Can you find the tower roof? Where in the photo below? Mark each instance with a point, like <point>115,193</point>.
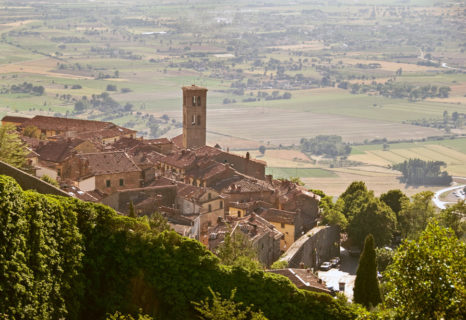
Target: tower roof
<point>193,87</point>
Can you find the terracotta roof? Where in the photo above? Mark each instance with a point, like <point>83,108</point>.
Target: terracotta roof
<point>14,119</point>
<point>181,159</point>
<point>253,226</point>
<point>206,170</point>
<point>289,191</point>
<point>303,279</point>
<point>109,162</point>
<point>111,131</point>
<point>65,124</point>
<point>207,151</point>
<point>247,185</point>
<point>58,151</point>
<point>281,216</point>
<point>150,158</point>
<point>178,141</point>
<point>125,143</point>
<point>252,205</point>
<point>157,141</point>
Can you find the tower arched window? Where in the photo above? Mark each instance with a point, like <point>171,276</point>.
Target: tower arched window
<point>198,101</point>
<point>193,120</point>
<point>194,100</point>
<point>198,120</point>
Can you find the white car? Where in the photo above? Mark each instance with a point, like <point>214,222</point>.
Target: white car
<point>325,266</point>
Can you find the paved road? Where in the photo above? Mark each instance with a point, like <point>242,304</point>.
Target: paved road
<point>346,273</point>
<point>442,204</point>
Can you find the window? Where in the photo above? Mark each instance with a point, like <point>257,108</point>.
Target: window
<point>221,204</point>
<point>194,100</point>
<point>198,101</point>
<point>193,122</point>
<point>209,196</point>
<point>210,207</point>
<point>58,171</point>
<point>239,214</point>
<point>122,182</point>
<point>198,120</point>
<point>107,183</point>
<point>283,225</point>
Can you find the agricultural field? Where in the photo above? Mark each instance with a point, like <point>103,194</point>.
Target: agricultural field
<point>276,72</point>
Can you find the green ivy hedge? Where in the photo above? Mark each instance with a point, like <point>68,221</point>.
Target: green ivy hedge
<point>64,258</point>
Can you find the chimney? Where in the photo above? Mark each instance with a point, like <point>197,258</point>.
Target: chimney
<point>268,178</point>
<point>248,155</point>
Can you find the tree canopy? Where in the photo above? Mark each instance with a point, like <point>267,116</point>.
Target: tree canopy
<point>427,279</point>
<point>12,149</point>
<point>64,258</point>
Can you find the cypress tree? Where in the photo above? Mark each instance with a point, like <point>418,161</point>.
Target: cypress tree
<point>366,287</point>
<point>132,214</point>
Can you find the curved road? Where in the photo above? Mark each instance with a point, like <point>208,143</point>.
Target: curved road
<point>442,204</point>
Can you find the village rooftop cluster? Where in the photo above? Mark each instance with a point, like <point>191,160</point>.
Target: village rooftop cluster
<point>204,192</point>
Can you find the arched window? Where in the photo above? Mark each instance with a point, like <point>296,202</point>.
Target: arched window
<point>193,122</point>
<point>210,207</point>
<point>198,120</point>
<point>194,100</point>
<point>198,101</point>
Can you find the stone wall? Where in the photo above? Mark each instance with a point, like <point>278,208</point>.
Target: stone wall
<point>313,248</point>
<point>29,182</point>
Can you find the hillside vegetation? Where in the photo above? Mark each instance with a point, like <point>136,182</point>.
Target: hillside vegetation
<point>64,258</point>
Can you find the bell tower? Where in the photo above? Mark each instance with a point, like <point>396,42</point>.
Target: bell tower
<point>194,116</point>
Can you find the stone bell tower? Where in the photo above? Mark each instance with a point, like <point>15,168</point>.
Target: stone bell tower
<point>194,116</point>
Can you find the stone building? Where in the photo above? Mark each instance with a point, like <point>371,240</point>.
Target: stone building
<point>106,172</point>
<point>194,116</point>
<point>263,236</point>
<point>287,222</point>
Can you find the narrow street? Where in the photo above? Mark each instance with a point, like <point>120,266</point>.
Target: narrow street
<point>345,273</point>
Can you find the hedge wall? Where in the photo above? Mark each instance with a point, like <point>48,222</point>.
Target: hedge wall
<point>64,258</point>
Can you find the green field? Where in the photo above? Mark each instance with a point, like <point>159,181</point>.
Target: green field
<point>279,173</point>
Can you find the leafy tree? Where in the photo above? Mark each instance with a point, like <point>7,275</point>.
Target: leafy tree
<point>415,214</point>
<point>427,279</point>
<point>297,180</point>
<point>373,217</point>
<point>329,145</point>
<point>50,180</point>
<point>418,172</point>
<point>262,149</point>
<point>237,250</point>
<point>62,258</point>
<point>119,316</point>
<point>366,286</point>
<point>279,264</point>
<point>158,223</point>
<point>335,217</point>
<point>394,199</point>
<point>216,308</point>
<point>32,132</point>
<point>353,198</point>
<point>454,217</point>
<point>12,149</point>
<point>384,258</point>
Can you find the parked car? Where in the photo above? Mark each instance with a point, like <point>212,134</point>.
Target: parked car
<point>335,262</point>
<point>325,266</point>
